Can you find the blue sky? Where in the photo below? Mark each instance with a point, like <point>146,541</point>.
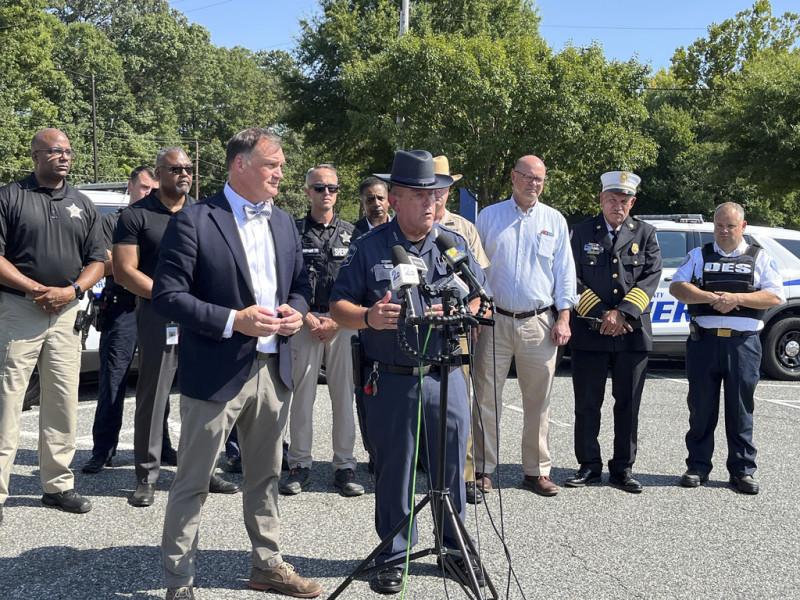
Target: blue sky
<point>650,29</point>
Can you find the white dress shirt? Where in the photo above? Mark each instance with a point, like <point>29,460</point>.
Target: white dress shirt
<point>260,251</point>
<point>766,277</point>
<point>530,254</point>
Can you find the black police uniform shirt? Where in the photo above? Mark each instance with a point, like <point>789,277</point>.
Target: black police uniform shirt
<point>143,224</point>
<point>365,277</point>
<point>112,288</point>
<point>49,235</point>
<point>622,276</point>
<point>324,249</point>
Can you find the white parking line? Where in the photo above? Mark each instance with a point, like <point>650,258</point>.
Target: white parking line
<point>790,403</point>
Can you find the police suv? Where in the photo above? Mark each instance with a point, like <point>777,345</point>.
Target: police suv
<point>677,235</point>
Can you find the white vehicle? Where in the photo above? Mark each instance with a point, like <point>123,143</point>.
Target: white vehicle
<point>677,235</point>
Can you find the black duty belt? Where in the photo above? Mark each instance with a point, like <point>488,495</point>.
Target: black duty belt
<point>725,333</point>
<point>10,290</point>
<point>403,370</point>
<point>320,308</point>
<point>521,315</point>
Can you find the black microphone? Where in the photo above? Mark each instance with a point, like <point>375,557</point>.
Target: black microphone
<point>404,276</point>
<point>458,260</point>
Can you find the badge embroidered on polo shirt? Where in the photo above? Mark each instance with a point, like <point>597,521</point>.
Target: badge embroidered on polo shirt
<point>345,237</point>
<point>74,211</point>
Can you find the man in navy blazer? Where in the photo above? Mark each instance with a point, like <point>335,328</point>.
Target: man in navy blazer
<point>231,274</point>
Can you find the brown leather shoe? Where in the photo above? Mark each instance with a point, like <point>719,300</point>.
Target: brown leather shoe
<point>541,484</point>
<point>284,580</point>
<point>483,482</point>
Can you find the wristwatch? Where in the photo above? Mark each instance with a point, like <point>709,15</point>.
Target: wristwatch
<point>78,291</point>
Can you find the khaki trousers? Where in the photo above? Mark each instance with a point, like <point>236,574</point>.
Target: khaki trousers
<point>307,355</point>
<point>259,412</point>
<point>30,337</point>
<point>528,342</point>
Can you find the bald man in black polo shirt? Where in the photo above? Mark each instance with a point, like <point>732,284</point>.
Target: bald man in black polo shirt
<point>51,250</point>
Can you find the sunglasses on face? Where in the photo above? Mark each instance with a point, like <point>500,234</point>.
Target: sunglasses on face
<point>177,169</point>
<point>321,187</point>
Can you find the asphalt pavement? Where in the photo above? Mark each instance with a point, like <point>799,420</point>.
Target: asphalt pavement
<point>598,542</point>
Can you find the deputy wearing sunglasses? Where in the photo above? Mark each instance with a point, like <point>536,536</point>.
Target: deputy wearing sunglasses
<point>326,242</point>
<point>137,241</point>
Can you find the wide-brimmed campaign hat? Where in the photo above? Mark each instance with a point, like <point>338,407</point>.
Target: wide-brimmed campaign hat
<point>415,170</point>
<point>441,166</point>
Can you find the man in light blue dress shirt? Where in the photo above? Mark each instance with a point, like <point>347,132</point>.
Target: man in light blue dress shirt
<point>532,276</point>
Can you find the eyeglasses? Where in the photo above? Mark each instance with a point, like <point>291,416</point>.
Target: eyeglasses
<point>321,187</point>
<point>530,178</point>
<point>59,152</point>
<point>178,169</point>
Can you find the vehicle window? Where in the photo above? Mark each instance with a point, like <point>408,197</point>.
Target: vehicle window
<point>673,246</point>
<point>105,210</point>
<point>708,236</point>
<point>792,246</point>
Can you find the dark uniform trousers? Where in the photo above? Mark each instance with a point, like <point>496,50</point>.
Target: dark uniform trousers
<point>390,419</point>
<point>711,361</point>
<point>158,364</point>
<point>117,348</point>
<point>617,274</point>
<point>627,382</point>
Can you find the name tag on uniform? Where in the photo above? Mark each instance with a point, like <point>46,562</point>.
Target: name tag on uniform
<point>339,252</point>
<point>592,248</point>
<point>310,250</point>
<point>172,334</point>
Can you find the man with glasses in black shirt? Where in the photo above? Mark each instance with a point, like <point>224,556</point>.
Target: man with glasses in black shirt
<point>50,252</point>
<point>137,242</point>
<point>326,242</point>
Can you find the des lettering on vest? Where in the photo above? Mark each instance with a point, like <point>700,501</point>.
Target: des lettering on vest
<point>715,267</point>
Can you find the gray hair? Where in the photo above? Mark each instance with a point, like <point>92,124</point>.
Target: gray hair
<point>244,142</point>
<point>326,166</point>
<point>169,150</point>
<point>734,206</point>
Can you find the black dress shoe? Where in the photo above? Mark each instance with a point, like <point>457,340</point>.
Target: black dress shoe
<point>625,482</point>
<point>144,495</point>
<point>68,501</point>
<point>693,478</point>
<point>744,483</point>
<point>233,464</point>
<point>474,495</point>
<point>96,464</point>
<point>583,476</point>
<point>169,456</point>
<point>217,485</point>
<point>461,565</point>
<point>389,580</point>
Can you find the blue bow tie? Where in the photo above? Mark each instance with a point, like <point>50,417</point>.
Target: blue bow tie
<point>262,209</point>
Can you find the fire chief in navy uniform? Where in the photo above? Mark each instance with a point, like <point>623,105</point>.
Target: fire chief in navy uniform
<point>231,272</point>
<point>618,264</point>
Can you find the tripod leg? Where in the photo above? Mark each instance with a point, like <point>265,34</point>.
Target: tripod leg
<point>468,552</point>
<point>364,564</point>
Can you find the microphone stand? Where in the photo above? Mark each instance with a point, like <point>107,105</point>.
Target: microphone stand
<point>438,497</point>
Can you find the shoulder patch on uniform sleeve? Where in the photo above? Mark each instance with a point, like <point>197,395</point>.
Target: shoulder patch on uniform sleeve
<point>773,264</point>
<point>350,255</point>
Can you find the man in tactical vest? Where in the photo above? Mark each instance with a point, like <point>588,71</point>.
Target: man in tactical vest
<point>726,286</point>
<point>326,242</point>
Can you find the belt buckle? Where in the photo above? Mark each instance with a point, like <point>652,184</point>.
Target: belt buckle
<point>724,333</point>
